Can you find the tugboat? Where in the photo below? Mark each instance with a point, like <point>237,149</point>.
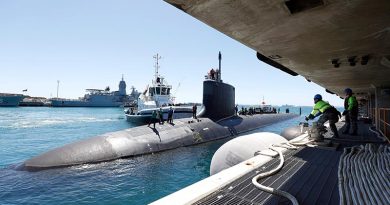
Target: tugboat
<point>99,98</point>
<point>156,96</point>
<point>266,108</point>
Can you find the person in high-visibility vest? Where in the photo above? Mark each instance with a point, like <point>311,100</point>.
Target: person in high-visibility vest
<point>351,112</point>
<point>327,112</point>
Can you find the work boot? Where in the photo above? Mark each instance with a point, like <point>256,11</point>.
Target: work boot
<point>334,130</point>
<point>321,128</point>
<point>347,128</point>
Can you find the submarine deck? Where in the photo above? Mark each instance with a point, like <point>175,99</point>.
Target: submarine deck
<point>147,140</point>
<point>309,173</point>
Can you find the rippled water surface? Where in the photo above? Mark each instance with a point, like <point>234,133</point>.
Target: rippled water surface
<point>28,131</point>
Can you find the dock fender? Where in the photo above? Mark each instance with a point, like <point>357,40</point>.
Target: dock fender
<point>242,148</point>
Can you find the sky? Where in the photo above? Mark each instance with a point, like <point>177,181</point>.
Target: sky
<point>90,44</point>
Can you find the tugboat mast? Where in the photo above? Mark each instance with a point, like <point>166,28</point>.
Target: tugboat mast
<point>156,66</point>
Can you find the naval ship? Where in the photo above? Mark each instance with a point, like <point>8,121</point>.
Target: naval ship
<point>336,44</point>
<point>100,98</point>
<point>10,100</point>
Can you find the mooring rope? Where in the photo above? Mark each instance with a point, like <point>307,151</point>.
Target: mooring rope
<point>364,175</point>
<point>269,173</point>
<point>287,145</point>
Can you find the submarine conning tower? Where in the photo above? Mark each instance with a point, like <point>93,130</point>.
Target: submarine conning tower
<point>218,100</point>
<point>218,97</point>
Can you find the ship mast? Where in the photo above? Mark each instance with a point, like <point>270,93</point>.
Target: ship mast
<point>58,85</point>
<point>219,68</point>
<point>156,66</point>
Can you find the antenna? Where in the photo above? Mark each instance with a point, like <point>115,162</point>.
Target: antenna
<point>156,66</point>
<point>58,85</point>
<point>176,90</point>
<point>220,71</point>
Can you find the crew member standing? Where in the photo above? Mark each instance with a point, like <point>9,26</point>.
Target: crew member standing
<point>153,119</point>
<point>161,116</point>
<point>327,112</point>
<point>212,74</point>
<point>194,111</point>
<point>170,115</point>
<point>351,112</point>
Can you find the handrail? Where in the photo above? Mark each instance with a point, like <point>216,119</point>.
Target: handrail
<point>384,122</point>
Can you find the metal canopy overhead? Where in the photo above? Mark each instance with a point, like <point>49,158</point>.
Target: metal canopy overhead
<point>334,43</point>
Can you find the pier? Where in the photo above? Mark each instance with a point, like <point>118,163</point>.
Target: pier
<point>309,173</point>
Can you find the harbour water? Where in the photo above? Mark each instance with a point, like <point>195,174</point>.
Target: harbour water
<point>28,131</point>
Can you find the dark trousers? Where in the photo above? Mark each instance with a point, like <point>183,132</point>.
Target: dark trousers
<point>332,117</point>
<point>350,122</point>
<point>161,120</point>
<point>170,119</point>
<point>152,120</point>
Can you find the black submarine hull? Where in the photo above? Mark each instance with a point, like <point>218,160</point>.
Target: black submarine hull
<point>146,140</point>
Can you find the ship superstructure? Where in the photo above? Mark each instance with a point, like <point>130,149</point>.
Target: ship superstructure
<point>100,98</point>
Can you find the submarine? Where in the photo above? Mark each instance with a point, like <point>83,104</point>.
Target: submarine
<point>216,120</point>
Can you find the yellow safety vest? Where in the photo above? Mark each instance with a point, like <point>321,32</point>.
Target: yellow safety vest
<point>320,106</point>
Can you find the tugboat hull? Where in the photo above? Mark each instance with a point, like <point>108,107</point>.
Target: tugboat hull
<point>145,116</point>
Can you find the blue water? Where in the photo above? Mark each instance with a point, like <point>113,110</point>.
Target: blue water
<point>28,131</point>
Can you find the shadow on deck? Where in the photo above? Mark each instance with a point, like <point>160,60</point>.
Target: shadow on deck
<point>366,134</point>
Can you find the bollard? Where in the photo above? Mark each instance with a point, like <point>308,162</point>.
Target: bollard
<point>315,133</point>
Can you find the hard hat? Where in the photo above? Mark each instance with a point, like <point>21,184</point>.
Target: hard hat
<point>348,91</point>
<point>318,97</point>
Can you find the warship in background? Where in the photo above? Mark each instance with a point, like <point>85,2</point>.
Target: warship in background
<point>10,100</point>
<point>100,98</point>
